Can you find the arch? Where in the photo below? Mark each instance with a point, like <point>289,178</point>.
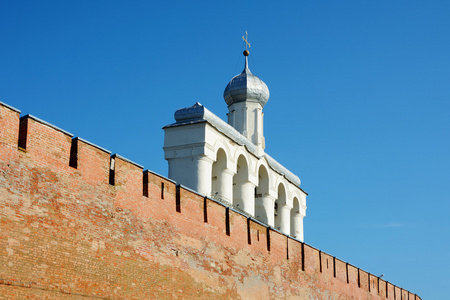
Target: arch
<point>221,177</point>
<point>295,206</point>
<point>263,201</point>
<point>240,151</point>
<point>279,202</point>
<point>280,181</point>
<point>296,220</point>
<point>263,181</point>
<point>262,162</point>
<point>281,210</point>
<point>296,194</point>
<point>221,145</point>
<point>242,172</point>
<point>243,195</point>
<point>301,201</point>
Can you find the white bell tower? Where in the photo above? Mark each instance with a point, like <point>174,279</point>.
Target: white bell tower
<point>227,161</point>
<point>246,96</point>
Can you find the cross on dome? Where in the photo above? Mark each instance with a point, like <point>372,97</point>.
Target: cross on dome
<point>246,86</point>
<point>246,40</point>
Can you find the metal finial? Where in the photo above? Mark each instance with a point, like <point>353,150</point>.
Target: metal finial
<point>246,69</point>
<point>246,42</point>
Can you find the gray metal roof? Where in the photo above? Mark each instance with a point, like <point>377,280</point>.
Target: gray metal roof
<point>246,87</point>
<point>198,113</point>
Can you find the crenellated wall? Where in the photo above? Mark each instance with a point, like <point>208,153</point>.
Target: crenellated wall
<point>78,222</point>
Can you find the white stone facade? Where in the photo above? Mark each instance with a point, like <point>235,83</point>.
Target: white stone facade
<point>209,156</point>
<point>227,162</point>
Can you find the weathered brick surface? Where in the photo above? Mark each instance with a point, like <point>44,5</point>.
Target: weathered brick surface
<point>327,264</point>
<point>68,232</point>
<point>258,237</point>
<point>405,294</point>
<point>364,280</point>
<point>312,260</point>
<point>352,272</point>
<point>238,230</point>
<point>373,284</point>
<point>9,133</point>
<point>390,291</point>
<point>382,288</point>
<point>341,270</point>
<point>92,163</point>
<point>294,260</point>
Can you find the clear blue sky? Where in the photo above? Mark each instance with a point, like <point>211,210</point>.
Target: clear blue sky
<point>359,105</point>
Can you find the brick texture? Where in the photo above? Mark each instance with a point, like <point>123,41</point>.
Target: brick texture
<point>70,232</point>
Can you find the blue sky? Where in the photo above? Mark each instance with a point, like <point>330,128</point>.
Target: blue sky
<point>359,105</point>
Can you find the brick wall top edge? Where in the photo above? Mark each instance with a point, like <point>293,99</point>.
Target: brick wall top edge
<point>186,188</point>
<point>238,212</point>
<point>351,265</point>
<point>278,231</point>
<point>127,160</point>
<point>10,107</point>
<point>223,204</point>
<point>192,191</point>
<point>161,176</point>
<point>92,144</point>
<point>339,259</point>
<point>398,287</point>
<point>258,222</point>
<point>46,123</point>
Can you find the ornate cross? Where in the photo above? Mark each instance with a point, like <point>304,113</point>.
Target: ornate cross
<point>246,40</point>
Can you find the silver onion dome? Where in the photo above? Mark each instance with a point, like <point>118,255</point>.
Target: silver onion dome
<point>246,87</point>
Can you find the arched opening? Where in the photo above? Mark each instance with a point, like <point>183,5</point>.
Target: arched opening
<point>221,178</point>
<point>281,211</point>
<point>296,220</point>
<point>262,192</point>
<point>243,196</point>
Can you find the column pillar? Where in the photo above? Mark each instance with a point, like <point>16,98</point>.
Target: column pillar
<point>248,197</point>
<point>284,215</point>
<point>264,209</point>
<point>202,174</point>
<point>226,185</point>
<point>245,120</point>
<point>193,172</point>
<point>231,117</point>
<point>297,227</point>
<point>244,196</point>
<point>258,126</point>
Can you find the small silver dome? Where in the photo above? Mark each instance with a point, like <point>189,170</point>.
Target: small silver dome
<point>246,87</point>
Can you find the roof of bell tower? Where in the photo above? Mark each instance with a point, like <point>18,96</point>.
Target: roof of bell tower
<point>246,87</point>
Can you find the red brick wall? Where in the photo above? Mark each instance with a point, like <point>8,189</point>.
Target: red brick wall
<point>69,232</point>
